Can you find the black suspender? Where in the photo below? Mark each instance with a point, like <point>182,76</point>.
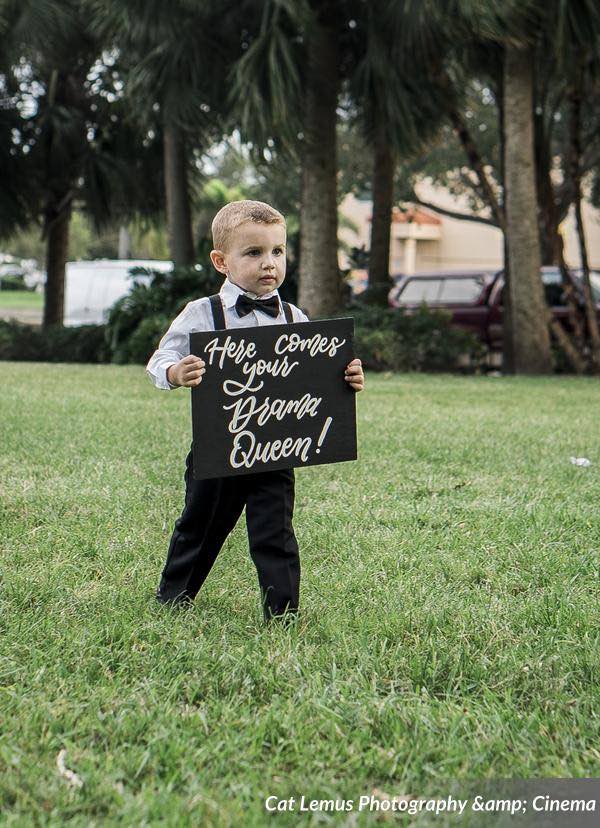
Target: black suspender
<point>219,315</point>
<point>217,312</point>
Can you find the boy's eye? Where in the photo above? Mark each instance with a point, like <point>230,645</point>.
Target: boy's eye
<point>278,251</point>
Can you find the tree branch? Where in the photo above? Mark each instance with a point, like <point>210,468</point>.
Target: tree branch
<point>460,127</point>
<point>444,211</point>
<point>477,165</point>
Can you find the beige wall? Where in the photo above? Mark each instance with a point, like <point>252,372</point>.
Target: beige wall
<point>591,223</point>
<point>462,244</point>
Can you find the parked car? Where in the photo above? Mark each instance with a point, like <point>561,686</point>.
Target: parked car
<point>92,288</point>
<point>475,297</point>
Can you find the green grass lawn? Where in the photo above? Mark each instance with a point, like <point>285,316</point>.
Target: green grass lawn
<point>21,300</point>
<point>449,625</point>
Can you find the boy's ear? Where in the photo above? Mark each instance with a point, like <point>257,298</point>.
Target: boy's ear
<point>217,257</point>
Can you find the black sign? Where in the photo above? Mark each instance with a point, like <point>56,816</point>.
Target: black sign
<point>273,397</point>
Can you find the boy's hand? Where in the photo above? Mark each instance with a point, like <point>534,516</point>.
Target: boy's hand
<point>188,371</point>
<point>354,375</point>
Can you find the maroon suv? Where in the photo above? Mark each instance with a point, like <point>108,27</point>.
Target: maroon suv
<point>474,297</point>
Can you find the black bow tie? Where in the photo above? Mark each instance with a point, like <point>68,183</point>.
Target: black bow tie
<point>244,304</point>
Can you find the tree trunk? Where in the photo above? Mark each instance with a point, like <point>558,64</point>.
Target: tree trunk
<point>590,306</point>
<point>547,214</point>
<point>319,289</point>
<point>179,221</point>
<point>548,220</point>
<point>380,283</point>
<point>529,328</point>
<point>575,153</point>
<point>508,358</point>
<point>124,242</point>
<point>57,254</point>
<point>571,295</point>
<point>551,242</point>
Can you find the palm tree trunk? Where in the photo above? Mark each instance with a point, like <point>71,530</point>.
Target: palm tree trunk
<point>383,195</point>
<point>57,254</point>
<point>319,290</point>
<point>529,328</point>
<point>508,359</point>
<point>179,221</point>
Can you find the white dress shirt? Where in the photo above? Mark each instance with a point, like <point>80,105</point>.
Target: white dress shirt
<point>197,316</point>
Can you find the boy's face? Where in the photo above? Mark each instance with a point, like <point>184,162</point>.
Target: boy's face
<point>255,258</point>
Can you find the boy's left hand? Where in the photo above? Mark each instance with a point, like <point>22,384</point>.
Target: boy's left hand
<point>354,375</point>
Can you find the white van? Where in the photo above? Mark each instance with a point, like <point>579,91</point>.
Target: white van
<point>91,288</point>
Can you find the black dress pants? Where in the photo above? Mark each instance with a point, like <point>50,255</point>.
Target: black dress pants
<point>212,509</point>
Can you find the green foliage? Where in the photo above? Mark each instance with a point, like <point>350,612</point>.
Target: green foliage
<point>148,240</point>
<point>13,282</point>
<point>386,340</point>
<point>391,340</point>
<point>143,341</point>
<point>137,321</point>
<point>28,343</point>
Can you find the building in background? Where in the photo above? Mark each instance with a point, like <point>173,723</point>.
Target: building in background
<point>422,240</point>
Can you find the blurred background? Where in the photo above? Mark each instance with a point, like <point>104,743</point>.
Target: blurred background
<point>436,160</point>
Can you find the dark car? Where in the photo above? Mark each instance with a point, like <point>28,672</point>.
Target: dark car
<point>474,297</point>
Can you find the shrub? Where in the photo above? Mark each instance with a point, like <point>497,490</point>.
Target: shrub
<point>22,342</point>
<point>13,282</point>
<point>391,340</point>
<point>137,321</point>
<point>386,339</point>
<point>142,343</point>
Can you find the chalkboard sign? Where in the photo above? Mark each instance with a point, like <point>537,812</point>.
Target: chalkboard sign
<point>273,397</point>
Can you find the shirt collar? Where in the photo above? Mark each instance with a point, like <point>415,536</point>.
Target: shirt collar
<point>230,292</point>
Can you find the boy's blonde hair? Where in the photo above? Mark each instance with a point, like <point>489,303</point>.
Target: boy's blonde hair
<point>235,213</point>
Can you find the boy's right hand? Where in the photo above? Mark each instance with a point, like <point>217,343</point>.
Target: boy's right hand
<point>187,372</point>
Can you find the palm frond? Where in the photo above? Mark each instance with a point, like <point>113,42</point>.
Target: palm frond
<point>267,81</point>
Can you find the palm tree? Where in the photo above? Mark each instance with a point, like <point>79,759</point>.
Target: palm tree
<point>285,93</point>
<point>577,51</point>
<point>178,58</point>
<point>568,33</point>
<point>529,328</point>
<point>58,53</point>
<point>513,28</point>
<point>319,285</point>
<point>65,149</point>
<point>15,206</point>
<point>301,60</point>
<point>400,90</point>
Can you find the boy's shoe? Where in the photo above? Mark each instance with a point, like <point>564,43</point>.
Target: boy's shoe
<point>182,600</point>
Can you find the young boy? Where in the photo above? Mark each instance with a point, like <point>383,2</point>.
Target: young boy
<point>249,239</point>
